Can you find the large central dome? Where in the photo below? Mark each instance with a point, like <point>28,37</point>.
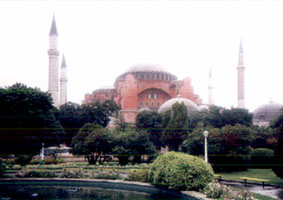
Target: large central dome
<point>148,72</point>
<point>146,68</point>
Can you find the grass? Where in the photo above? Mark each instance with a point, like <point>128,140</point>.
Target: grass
<point>254,173</point>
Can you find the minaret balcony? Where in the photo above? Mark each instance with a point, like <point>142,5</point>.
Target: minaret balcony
<point>53,52</point>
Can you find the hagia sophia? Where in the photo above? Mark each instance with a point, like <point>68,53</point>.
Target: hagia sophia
<point>149,87</point>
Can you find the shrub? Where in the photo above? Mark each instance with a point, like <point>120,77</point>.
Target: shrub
<point>108,175</point>
<point>180,171</point>
<point>47,161</point>
<point>44,174</point>
<point>261,157</point>
<point>2,167</point>
<point>140,175</point>
<point>215,190</point>
<point>23,160</point>
<point>72,174</point>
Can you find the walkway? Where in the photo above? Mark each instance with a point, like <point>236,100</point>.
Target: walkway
<point>268,190</point>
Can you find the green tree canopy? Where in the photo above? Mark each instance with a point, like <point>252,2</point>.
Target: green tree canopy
<point>228,147</point>
<point>277,124</point>
<point>130,143</point>
<point>176,130</point>
<point>27,120</point>
<point>218,117</point>
<point>93,141</point>
<point>151,122</point>
<point>73,116</point>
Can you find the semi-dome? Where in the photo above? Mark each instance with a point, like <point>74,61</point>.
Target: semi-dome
<point>191,106</point>
<point>264,114</point>
<point>148,72</point>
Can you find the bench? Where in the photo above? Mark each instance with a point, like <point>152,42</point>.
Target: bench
<point>254,179</point>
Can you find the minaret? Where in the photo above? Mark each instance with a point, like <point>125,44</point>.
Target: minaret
<point>53,53</point>
<point>241,78</point>
<point>210,96</point>
<point>63,82</point>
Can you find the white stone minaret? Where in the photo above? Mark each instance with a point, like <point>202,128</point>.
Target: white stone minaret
<point>241,78</point>
<point>63,82</point>
<point>210,95</point>
<point>53,80</point>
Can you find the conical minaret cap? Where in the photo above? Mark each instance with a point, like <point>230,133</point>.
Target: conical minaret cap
<point>63,62</point>
<point>53,30</point>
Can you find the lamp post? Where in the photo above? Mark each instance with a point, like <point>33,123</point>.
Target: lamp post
<point>42,152</point>
<point>205,133</point>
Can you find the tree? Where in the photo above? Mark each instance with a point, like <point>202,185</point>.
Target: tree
<point>151,122</point>
<point>97,112</point>
<point>69,117</point>
<point>130,143</point>
<point>27,120</point>
<point>264,137</point>
<point>73,116</point>
<point>176,129</point>
<point>228,147</point>
<point>218,117</point>
<point>277,124</point>
<point>93,141</point>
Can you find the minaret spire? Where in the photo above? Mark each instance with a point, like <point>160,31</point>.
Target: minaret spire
<point>241,78</point>
<point>63,82</point>
<point>53,29</point>
<point>210,95</point>
<point>53,53</point>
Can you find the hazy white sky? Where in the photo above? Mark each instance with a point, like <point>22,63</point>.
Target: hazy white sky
<point>101,39</point>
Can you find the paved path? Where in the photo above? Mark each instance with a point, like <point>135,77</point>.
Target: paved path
<point>268,190</point>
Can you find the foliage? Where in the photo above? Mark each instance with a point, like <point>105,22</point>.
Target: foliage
<point>264,137</point>
<point>2,167</point>
<point>219,117</point>
<point>72,174</point>
<point>47,161</point>
<point>131,143</point>
<point>140,175</point>
<point>23,160</point>
<point>69,117</point>
<point>37,174</point>
<point>93,141</point>
<point>277,124</point>
<point>73,116</point>
<point>176,128</point>
<point>97,112</point>
<point>215,190</point>
<point>152,123</point>
<point>180,171</point>
<point>228,147</point>
<point>27,120</point>
<point>261,157</point>
<point>108,175</point>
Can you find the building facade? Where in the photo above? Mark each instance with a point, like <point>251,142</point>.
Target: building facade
<point>143,87</point>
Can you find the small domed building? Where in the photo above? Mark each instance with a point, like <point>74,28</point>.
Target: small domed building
<point>264,114</point>
<point>190,105</point>
<point>144,87</point>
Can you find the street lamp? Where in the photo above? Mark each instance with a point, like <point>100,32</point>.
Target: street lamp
<point>42,152</point>
<point>205,134</point>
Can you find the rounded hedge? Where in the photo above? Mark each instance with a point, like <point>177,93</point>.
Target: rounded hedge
<point>261,157</point>
<point>180,171</point>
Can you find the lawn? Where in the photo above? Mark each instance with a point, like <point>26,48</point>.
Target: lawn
<point>254,173</point>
